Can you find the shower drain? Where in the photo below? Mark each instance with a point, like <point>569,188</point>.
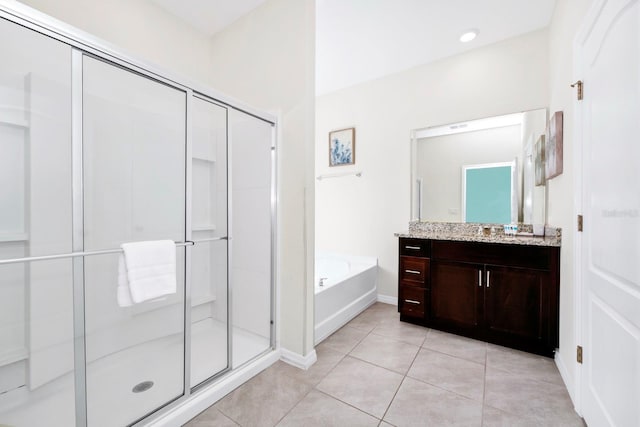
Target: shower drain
<point>143,386</point>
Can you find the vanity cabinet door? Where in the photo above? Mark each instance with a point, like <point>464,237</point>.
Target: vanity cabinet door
<point>456,296</point>
<point>516,304</point>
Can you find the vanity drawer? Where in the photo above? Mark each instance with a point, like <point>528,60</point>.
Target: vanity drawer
<point>415,247</point>
<point>524,256</point>
<point>413,269</point>
<point>412,301</point>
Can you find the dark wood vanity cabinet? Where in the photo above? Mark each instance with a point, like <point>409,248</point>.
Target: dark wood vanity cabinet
<point>414,278</point>
<point>502,293</point>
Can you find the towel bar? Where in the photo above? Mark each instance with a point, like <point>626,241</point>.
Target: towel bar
<point>77,254</point>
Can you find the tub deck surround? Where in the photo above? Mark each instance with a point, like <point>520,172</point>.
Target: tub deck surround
<point>349,286</point>
<point>469,232</point>
<point>499,289</point>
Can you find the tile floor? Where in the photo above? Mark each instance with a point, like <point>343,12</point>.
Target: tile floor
<point>378,371</point>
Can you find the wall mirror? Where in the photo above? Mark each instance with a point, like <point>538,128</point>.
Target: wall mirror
<point>479,170</point>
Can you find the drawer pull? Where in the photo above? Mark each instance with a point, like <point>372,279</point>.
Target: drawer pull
<point>488,277</point>
<point>412,301</point>
<point>412,271</point>
<point>415,248</point>
<point>480,278</point>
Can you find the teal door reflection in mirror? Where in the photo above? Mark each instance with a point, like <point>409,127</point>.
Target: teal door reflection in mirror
<point>488,193</point>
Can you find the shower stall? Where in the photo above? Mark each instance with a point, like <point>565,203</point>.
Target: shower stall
<point>97,150</point>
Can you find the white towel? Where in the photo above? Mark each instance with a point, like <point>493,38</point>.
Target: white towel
<point>146,271</point>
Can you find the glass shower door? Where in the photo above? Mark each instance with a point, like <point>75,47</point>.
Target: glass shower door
<point>209,290</point>
<point>251,245</point>
<point>36,298</point>
<point>134,143</point>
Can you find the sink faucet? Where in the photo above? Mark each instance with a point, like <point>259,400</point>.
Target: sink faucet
<point>322,279</point>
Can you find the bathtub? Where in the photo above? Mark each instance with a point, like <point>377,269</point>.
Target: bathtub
<point>349,286</point>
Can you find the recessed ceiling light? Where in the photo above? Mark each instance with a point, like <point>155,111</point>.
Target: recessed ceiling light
<point>468,36</point>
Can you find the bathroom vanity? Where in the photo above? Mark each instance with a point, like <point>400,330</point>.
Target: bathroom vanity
<point>504,290</point>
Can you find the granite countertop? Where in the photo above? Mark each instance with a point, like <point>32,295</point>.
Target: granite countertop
<point>470,233</point>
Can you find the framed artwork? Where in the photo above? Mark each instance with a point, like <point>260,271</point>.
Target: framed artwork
<point>342,147</point>
<point>553,146</point>
<point>538,163</point>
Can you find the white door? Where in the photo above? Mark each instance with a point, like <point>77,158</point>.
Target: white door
<point>608,63</point>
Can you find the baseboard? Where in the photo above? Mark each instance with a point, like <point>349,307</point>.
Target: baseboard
<point>386,299</point>
<point>298,360</point>
<point>566,378</point>
<point>202,399</point>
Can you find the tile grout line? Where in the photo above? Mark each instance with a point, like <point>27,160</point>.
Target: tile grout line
<point>401,382</point>
<point>444,389</point>
<point>349,355</point>
<point>294,406</point>
<point>530,378</point>
<point>392,399</point>
<point>379,366</point>
<point>377,323</point>
<point>348,404</point>
<point>398,339</point>
<point>440,387</point>
<point>451,355</point>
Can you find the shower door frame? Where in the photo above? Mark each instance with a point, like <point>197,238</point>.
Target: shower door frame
<point>79,318</point>
<point>84,44</point>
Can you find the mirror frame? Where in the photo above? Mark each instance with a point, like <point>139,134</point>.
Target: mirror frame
<point>483,123</point>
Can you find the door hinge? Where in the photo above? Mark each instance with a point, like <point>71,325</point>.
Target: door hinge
<point>580,92</point>
<point>579,354</point>
<point>579,222</point>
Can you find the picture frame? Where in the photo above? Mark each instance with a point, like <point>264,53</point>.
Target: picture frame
<point>539,161</point>
<point>553,146</point>
<point>342,147</point>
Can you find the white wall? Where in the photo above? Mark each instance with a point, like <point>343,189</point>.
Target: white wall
<point>440,160</point>
<point>266,59</point>
<point>360,215</point>
<point>566,20</point>
<point>139,26</point>
<point>533,197</point>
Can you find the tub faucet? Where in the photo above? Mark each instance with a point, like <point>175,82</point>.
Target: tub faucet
<point>322,279</point>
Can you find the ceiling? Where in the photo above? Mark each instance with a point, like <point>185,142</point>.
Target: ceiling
<point>209,16</point>
<point>362,40</point>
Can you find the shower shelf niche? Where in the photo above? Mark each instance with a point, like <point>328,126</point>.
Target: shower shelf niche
<point>204,227</point>
<point>8,121</point>
<point>12,116</point>
<point>14,237</point>
<point>203,299</point>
